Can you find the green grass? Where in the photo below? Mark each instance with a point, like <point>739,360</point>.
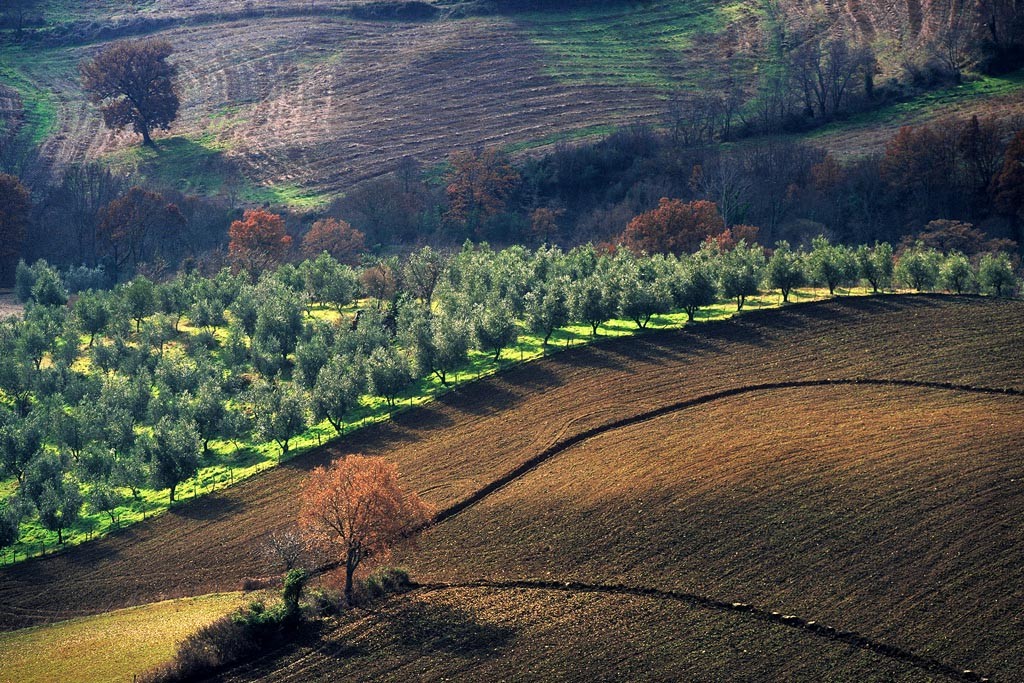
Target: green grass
<point>637,44</point>
<point>108,647</point>
<point>198,166</point>
<point>225,464</point>
<point>922,106</point>
<point>567,136</point>
<point>285,194</point>
<point>39,105</point>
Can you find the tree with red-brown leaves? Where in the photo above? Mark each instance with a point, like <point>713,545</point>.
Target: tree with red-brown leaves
<point>135,225</point>
<point>133,84</point>
<point>15,204</point>
<point>258,241</point>
<point>478,185</point>
<point>735,234</point>
<point>674,227</point>
<point>544,223</point>
<point>337,238</point>
<point>357,509</point>
<point>922,161</point>
<point>1008,186</point>
<point>948,235</point>
<point>379,282</point>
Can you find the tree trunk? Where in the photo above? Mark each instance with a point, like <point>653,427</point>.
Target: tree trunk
<point>351,561</point>
<point>146,140</point>
<point>172,493</point>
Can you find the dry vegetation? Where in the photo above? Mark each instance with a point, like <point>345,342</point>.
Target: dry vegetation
<point>880,509</point>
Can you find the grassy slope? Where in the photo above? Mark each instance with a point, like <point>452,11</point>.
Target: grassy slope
<point>293,110</point>
<point>998,96</point>
<point>108,647</point>
<point>211,543</point>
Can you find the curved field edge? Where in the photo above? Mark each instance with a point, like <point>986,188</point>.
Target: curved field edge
<point>539,631</point>
<point>576,439</point>
<point>752,612</point>
<point>294,107</point>
<point>888,650</point>
<point>231,465</point>
<point>211,543</point>
<point>882,509</point>
<point>108,647</point>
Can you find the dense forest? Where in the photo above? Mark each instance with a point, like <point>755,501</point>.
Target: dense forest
<point>967,171</point>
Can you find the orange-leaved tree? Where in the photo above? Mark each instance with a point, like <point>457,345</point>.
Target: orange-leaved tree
<point>137,225</point>
<point>356,509</point>
<point>479,184</point>
<point>674,227</point>
<point>337,238</point>
<point>258,241</point>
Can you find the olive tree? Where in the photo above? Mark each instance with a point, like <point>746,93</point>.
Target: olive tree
<point>786,270</point>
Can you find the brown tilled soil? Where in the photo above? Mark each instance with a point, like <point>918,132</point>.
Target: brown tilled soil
<point>486,634</point>
<point>324,103</point>
<point>321,103</point>
<point>457,445</point>
<point>888,511</point>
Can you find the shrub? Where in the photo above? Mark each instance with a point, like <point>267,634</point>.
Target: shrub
<point>382,583</point>
<point>228,640</point>
<point>82,278</point>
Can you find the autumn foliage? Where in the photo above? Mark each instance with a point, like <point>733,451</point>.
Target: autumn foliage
<point>1008,186</point>
<point>674,227</point>
<point>258,241</point>
<point>337,238</point>
<point>356,509</point>
<point>133,84</point>
<point>479,185</point>
<point>135,225</point>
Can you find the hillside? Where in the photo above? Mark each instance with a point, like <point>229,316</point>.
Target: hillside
<point>293,102</point>
<point>732,462</point>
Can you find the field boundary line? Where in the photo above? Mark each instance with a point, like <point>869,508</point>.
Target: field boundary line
<point>565,444</point>
<point>755,613</point>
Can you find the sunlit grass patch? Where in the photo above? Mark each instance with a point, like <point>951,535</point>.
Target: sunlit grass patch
<point>107,647</point>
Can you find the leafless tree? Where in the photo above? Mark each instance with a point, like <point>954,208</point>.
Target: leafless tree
<point>285,548</point>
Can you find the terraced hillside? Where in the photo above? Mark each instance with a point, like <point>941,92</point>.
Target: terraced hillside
<point>852,463</point>
<point>293,102</point>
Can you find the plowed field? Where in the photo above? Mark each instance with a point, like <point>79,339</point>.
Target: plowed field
<point>733,461</point>
<point>490,634</point>
<point>294,102</point>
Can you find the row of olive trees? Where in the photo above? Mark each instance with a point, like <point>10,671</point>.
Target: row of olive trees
<point>918,268</point>
<point>107,393</point>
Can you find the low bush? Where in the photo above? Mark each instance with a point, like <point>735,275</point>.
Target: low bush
<point>226,641</point>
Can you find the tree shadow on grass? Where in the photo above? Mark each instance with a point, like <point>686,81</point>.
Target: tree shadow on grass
<point>425,627</point>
